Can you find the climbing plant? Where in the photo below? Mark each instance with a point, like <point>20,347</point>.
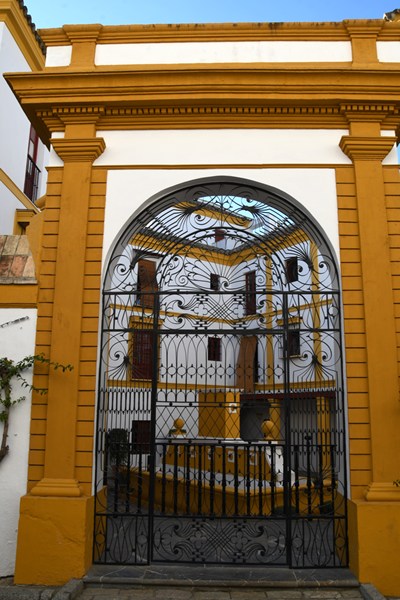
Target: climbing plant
<point>10,373</point>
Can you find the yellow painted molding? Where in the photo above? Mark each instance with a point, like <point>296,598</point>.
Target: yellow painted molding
<point>28,41</point>
<point>376,112</point>
<point>17,193</point>
<point>19,295</point>
<point>79,34</point>
<point>57,487</point>
<point>196,32</point>
<point>238,95</point>
<point>364,29</point>
<point>366,148</point>
<point>79,150</point>
<point>22,220</point>
<point>382,492</point>
<point>83,39</point>
<point>363,40</point>
<point>213,167</point>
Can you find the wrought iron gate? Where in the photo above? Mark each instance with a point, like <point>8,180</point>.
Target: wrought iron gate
<point>221,429</point>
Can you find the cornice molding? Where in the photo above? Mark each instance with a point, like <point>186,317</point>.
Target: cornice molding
<point>366,148</point>
<point>218,32</point>
<point>326,82</point>
<point>373,111</point>
<point>82,33</point>
<point>364,29</point>
<point>203,32</point>
<point>79,150</point>
<point>200,116</point>
<point>209,96</point>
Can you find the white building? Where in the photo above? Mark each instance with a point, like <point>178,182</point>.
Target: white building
<point>22,181</point>
<point>22,155</point>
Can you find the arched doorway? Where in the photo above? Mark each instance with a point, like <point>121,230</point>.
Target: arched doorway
<point>221,422</point>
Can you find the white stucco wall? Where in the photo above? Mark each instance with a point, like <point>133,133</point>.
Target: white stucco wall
<point>230,146</point>
<point>8,206</point>
<point>222,52</point>
<point>299,150</point>
<point>16,342</point>
<point>14,131</point>
<point>127,190</point>
<point>14,126</point>
<point>388,51</point>
<point>208,52</point>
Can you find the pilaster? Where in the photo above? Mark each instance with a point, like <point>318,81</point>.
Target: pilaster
<point>83,39</point>
<point>363,36</point>
<point>367,152</point>
<point>78,155</point>
<point>56,519</point>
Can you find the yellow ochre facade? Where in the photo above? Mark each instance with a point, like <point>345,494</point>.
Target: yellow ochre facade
<point>85,101</point>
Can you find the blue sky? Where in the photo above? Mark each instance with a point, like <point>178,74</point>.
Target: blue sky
<point>54,13</point>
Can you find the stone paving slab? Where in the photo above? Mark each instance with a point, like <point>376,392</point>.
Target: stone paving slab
<point>153,592</point>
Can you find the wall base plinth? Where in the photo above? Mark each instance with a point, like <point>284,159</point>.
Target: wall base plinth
<point>374,533</point>
<point>382,492</point>
<point>57,487</point>
<point>55,537</point>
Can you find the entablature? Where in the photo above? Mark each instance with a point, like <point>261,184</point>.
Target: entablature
<point>213,96</point>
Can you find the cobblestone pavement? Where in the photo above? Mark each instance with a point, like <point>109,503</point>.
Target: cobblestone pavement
<point>150,592</point>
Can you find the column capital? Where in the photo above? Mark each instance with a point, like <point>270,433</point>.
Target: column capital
<point>367,148</point>
<point>79,149</point>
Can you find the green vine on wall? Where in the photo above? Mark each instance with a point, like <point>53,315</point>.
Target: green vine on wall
<point>11,372</point>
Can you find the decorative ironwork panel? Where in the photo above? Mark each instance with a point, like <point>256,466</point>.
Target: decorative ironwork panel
<point>221,427</point>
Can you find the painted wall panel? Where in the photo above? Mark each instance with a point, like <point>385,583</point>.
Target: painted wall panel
<point>222,52</point>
